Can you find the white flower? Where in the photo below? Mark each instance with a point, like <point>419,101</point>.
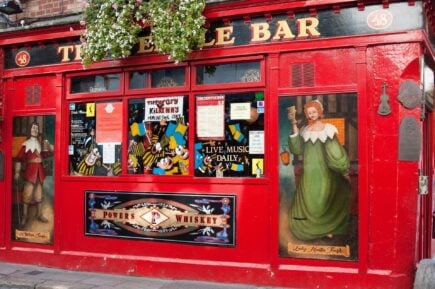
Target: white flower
<point>175,32</point>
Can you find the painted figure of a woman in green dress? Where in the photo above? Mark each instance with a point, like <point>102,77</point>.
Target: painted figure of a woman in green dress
<point>320,207</point>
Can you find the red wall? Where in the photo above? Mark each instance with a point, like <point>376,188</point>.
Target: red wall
<point>393,186</point>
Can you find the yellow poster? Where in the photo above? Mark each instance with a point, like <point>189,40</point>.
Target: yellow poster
<point>90,109</point>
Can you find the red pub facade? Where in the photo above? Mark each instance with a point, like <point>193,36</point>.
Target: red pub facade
<point>296,149</point>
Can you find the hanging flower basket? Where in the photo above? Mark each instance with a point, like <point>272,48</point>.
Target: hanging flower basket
<point>112,27</point>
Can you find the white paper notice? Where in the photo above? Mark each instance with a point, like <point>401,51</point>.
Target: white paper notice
<point>163,108</point>
<point>109,153</point>
<point>256,142</point>
<point>210,117</point>
<point>240,110</point>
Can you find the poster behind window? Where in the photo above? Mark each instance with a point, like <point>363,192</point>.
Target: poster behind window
<point>318,173</point>
<point>95,142</point>
<point>230,135</point>
<point>33,179</point>
<point>210,117</point>
<point>158,136</point>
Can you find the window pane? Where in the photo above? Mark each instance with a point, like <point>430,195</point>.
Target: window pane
<point>227,73</point>
<point>95,83</point>
<point>138,79</point>
<point>318,176</point>
<point>229,140</point>
<point>95,138</point>
<point>158,136</point>
<point>168,77</point>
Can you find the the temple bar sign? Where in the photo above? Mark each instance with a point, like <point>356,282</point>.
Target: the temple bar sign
<point>250,31</point>
<point>229,35</point>
<point>260,32</point>
<point>226,36</point>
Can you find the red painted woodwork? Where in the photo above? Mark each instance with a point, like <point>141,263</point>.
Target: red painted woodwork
<point>39,93</point>
<point>332,67</point>
<point>387,189</point>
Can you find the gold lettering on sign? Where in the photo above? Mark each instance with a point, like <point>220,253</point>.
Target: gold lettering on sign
<point>223,37</point>
<point>319,250</point>
<point>41,236</point>
<point>163,217</point>
<point>67,49</point>
<point>145,44</point>
<point>283,31</point>
<point>64,50</point>
<point>260,32</point>
<point>77,52</point>
<point>307,27</point>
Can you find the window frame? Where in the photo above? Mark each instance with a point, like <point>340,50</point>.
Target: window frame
<point>235,85</point>
<point>189,89</point>
<point>156,90</point>
<point>142,97</point>
<point>99,94</point>
<point>265,173</point>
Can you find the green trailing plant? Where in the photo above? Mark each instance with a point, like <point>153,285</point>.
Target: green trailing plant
<point>112,27</point>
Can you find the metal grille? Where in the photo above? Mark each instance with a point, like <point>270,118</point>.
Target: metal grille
<point>33,95</point>
<point>308,74</point>
<point>296,73</point>
<point>302,74</point>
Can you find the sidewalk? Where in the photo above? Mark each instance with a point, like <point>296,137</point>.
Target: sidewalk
<point>17,276</point>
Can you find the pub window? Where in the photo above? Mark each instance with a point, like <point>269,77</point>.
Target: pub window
<point>95,138</point>
<point>318,176</point>
<point>229,139</point>
<point>157,78</point>
<point>228,73</point>
<point>95,83</point>
<point>158,135</point>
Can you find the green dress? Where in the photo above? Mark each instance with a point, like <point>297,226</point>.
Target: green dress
<point>321,203</point>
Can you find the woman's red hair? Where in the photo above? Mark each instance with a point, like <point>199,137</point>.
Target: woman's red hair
<point>316,104</point>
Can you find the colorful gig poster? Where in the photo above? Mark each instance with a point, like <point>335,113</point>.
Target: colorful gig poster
<point>158,131</point>
<point>95,141</point>
<point>33,179</point>
<point>318,177</point>
<point>229,139</point>
<point>183,218</point>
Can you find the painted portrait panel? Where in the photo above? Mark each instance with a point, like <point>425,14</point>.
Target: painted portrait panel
<point>33,179</point>
<point>318,171</point>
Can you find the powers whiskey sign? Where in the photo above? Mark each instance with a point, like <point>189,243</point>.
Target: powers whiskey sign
<point>200,219</point>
